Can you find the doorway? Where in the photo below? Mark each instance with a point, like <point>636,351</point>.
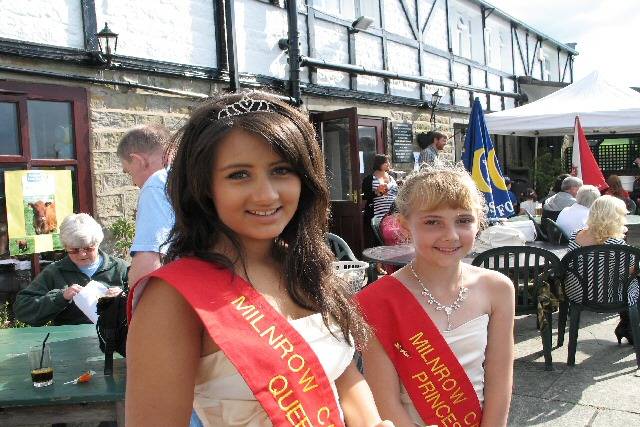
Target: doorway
<point>349,144</point>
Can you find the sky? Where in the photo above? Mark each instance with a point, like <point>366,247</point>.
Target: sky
<point>606,32</point>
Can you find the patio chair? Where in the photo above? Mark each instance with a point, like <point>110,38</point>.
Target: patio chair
<point>343,252</point>
<point>375,225</point>
<point>540,234</point>
<point>554,233</point>
<point>600,270</point>
<point>532,271</point>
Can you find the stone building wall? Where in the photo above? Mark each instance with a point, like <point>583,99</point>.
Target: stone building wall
<point>113,110</point>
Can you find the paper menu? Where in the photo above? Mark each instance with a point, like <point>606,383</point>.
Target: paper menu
<point>87,299</point>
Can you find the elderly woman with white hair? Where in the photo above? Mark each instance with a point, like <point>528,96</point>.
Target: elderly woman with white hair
<point>574,217</point>
<point>605,226</point>
<point>50,296</point>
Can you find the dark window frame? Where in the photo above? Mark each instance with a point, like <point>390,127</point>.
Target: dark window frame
<point>20,93</point>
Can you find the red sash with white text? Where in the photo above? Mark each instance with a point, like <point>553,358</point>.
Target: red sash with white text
<point>437,384</point>
<point>275,361</point>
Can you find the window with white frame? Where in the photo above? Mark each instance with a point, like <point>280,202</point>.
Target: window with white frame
<point>489,47</point>
<point>546,68</point>
<point>463,37</point>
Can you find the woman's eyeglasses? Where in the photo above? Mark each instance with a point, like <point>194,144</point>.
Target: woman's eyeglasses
<point>75,251</point>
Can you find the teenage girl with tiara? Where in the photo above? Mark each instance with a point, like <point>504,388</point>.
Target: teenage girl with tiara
<point>443,347</point>
<point>247,324</point>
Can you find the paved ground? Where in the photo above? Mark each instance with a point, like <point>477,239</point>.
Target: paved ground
<point>600,390</point>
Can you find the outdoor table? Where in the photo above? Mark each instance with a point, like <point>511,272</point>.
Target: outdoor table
<point>401,255</point>
<point>74,350</point>
<point>633,233</point>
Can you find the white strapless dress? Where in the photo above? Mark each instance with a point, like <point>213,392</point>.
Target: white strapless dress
<point>468,342</point>
<point>223,399</point>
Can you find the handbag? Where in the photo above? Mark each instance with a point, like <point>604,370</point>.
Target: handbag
<point>112,328</point>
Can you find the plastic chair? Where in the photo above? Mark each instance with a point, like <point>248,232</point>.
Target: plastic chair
<point>555,234</point>
<point>599,270</point>
<point>343,252</point>
<point>375,225</point>
<point>540,234</point>
<point>528,268</point>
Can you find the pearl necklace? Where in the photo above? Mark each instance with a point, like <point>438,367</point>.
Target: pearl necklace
<point>448,309</point>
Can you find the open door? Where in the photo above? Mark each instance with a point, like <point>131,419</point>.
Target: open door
<point>338,135</point>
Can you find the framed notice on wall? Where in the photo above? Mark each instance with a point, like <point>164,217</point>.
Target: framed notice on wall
<point>37,202</point>
<point>402,142</point>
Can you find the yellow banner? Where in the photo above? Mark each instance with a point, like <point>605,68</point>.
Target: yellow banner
<point>37,202</point>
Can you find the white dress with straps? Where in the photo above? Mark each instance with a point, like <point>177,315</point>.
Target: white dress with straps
<point>223,399</point>
<point>468,342</point>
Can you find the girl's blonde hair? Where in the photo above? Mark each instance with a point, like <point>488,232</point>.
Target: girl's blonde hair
<point>607,218</point>
<point>441,186</point>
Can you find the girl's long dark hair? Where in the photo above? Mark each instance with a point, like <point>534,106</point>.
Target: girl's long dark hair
<point>301,250</point>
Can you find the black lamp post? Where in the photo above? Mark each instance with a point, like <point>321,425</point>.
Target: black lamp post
<point>435,100</point>
<point>108,42</point>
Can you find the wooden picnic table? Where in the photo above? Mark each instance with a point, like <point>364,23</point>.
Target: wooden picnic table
<point>401,255</point>
<point>74,350</point>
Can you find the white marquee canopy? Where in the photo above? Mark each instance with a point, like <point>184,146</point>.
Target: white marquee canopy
<point>603,108</point>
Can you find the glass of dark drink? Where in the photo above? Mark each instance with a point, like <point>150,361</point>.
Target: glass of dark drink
<point>41,368</point>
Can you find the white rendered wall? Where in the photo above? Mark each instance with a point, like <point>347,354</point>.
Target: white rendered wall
<point>369,55</point>
<point>56,23</point>
<point>403,60</point>
<point>461,75</point>
<point>435,34</point>
<point>519,68</point>
<point>470,12</point>
<point>501,34</point>
<point>436,67</point>
<point>332,45</point>
<point>494,84</point>
<point>395,20</point>
<point>259,26</point>
<point>180,31</point>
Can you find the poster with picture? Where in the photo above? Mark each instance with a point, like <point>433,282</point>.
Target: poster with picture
<point>37,201</point>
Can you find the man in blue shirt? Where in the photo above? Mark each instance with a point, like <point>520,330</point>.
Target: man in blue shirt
<point>430,143</point>
<point>141,153</point>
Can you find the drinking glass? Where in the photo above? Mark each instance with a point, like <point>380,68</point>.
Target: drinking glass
<point>41,367</point>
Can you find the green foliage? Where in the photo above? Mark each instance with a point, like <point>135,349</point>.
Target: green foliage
<point>5,322</point>
<point>123,231</point>
<point>549,167</point>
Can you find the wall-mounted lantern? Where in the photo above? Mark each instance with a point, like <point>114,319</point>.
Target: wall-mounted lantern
<point>108,42</point>
<point>435,100</point>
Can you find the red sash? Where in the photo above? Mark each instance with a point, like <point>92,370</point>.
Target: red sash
<point>278,365</point>
<point>436,382</point>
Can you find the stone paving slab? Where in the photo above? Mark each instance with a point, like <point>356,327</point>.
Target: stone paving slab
<point>600,390</point>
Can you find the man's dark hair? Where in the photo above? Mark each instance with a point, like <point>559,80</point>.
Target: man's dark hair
<point>426,139</point>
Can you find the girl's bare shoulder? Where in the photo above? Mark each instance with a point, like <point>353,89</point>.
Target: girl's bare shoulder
<point>492,281</point>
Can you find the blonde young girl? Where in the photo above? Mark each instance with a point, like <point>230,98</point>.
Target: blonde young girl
<point>441,325</point>
<point>246,324</point>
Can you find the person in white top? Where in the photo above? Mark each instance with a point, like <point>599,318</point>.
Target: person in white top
<point>575,216</point>
<point>530,203</point>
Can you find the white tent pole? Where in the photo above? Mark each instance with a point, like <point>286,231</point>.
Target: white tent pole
<point>535,162</point>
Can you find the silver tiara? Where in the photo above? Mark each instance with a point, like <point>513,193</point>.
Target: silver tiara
<point>244,106</point>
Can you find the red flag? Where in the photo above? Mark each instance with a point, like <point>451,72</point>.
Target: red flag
<point>582,161</point>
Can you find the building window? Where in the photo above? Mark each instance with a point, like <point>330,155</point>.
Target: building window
<point>463,37</point>
<point>546,68</point>
<point>45,127</point>
<point>490,47</point>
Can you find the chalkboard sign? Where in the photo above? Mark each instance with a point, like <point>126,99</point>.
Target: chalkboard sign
<point>402,134</point>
